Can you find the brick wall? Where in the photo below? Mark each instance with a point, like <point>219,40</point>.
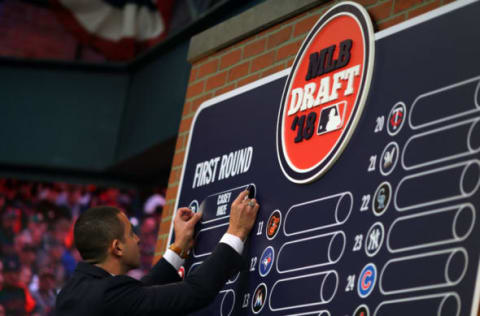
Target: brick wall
<point>30,31</point>
<point>256,57</point>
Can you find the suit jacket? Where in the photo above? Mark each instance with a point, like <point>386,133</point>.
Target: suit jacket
<point>93,291</point>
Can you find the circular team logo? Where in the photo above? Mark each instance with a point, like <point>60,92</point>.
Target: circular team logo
<point>362,310</point>
<point>325,92</point>
<point>266,261</point>
<point>273,224</point>
<point>381,199</point>
<point>181,272</point>
<point>259,298</point>
<point>193,206</point>
<point>366,280</point>
<point>389,158</point>
<point>374,240</point>
<point>396,118</point>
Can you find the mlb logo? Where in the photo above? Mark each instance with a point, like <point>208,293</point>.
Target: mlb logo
<point>331,118</point>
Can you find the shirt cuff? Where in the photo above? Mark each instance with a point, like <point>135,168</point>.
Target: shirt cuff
<point>233,241</point>
<point>173,258</point>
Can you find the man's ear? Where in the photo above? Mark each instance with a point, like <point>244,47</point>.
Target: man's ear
<point>117,248</point>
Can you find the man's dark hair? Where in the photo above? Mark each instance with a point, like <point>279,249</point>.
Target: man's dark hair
<point>95,229</point>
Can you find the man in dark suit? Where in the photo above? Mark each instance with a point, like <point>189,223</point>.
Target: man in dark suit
<point>109,247</point>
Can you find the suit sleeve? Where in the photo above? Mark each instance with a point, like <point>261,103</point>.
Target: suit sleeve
<point>161,273</point>
<point>126,296</point>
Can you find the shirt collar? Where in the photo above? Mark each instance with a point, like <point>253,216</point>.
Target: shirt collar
<point>93,270</point>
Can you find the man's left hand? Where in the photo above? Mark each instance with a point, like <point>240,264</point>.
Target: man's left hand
<point>184,227</point>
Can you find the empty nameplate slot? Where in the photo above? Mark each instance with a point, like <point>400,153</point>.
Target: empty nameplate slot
<point>207,239</point>
<point>446,304</point>
<point>439,185</point>
<point>223,305</point>
<point>318,214</point>
<point>328,249</point>
<point>451,224</point>
<point>317,288</point>
<point>442,144</point>
<point>315,313</point>
<point>426,271</point>
<point>457,100</point>
<point>227,302</point>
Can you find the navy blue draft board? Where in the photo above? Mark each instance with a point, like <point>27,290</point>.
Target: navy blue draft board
<point>392,227</point>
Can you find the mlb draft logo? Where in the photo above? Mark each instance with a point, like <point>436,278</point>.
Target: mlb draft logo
<point>325,92</point>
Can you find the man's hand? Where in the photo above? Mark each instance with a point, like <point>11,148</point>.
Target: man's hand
<point>184,226</point>
<point>242,215</point>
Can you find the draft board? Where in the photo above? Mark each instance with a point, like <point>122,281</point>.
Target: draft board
<point>392,228</point>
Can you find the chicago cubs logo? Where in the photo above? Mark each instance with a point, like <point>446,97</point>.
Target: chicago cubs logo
<point>366,280</point>
<point>325,92</point>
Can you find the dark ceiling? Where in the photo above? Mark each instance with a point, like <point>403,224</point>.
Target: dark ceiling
<point>113,123</point>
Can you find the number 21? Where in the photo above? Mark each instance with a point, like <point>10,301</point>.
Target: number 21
<point>373,161</point>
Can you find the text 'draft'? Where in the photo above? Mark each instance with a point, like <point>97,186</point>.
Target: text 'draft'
<point>321,213</point>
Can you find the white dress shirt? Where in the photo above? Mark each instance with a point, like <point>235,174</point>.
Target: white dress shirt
<point>233,241</point>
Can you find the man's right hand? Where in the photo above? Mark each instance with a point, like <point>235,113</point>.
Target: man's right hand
<point>184,227</point>
<point>242,215</point>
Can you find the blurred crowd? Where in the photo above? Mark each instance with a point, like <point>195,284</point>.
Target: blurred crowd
<point>36,237</point>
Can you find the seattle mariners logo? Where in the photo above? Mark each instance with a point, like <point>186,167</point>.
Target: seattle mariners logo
<point>325,92</point>
<point>366,280</point>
